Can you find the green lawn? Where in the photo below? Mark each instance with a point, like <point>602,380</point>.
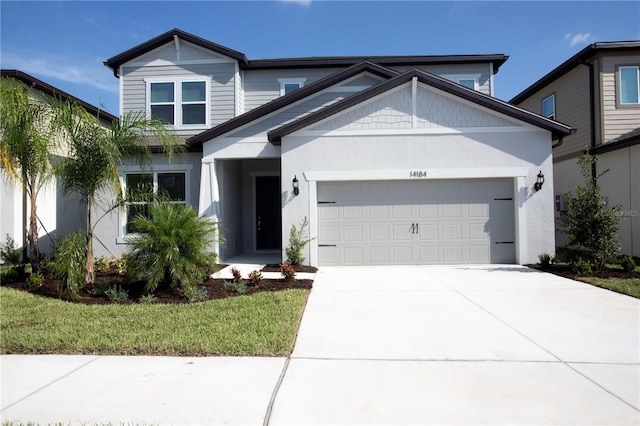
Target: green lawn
<point>263,324</point>
<point>630,286</point>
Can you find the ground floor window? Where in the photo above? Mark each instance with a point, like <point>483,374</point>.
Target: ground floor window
<point>142,188</point>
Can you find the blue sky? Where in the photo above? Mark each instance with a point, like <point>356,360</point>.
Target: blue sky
<point>65,43</point>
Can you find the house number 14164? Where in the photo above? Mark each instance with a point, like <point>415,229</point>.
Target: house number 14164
<point>418,173</point>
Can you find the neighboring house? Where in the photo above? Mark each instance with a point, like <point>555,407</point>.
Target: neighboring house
<point>393,159</point>
<point>597,91</point>
<point>57,214</point>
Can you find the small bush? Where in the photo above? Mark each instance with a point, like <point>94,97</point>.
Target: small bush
<point>148,299</point>
<point>35,280</point>
<point>9,251</point>
<point>195,293</point>
<point>122,263</point>
<point>103,264</point>
<point>237,276</point>
<point>235,287</point>
<point>9,275</point>
<point>47,264</point>
<point>255,278</point>
<point>545,260</point>
<point>69,262</point>
<point>100,287</point>
<point>297,242</point>
<point>627,263</point>
<point>582,267</point>
<point>117,294</point>
<point>288,271</point>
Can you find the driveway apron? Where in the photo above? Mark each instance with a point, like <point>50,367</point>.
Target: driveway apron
<point>468,344</point>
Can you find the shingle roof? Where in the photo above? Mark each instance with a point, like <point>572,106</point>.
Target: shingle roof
<point>55,92</point>
<point>290,98</point>
<point>577,59</point>
<point>557,129</point>
<point>306,62</point>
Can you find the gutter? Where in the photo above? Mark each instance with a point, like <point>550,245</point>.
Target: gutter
<point>592,111</point>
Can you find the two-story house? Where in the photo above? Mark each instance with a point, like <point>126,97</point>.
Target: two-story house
<point>596,91</point>
<point>393,159</point>
<point>58,214</point>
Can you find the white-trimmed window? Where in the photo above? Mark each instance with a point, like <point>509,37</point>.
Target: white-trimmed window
<point>468,82</point>
<point>181,103</point>
<point>629,85</point>
<point>288,85</point>
<point>141,187</point>
<point>549,107</point>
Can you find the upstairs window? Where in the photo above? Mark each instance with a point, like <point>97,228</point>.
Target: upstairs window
<point>629,85</point>
<point>179,103</point>
<point>468,82</point>
<point>288,85</point>
<point>549,107</point>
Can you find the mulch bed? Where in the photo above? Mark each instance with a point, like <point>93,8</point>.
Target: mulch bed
<point>275,267</point>
<point>567,272</point>
<point>167,295</point>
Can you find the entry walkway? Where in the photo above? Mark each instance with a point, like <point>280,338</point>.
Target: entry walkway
<point>377,345</point>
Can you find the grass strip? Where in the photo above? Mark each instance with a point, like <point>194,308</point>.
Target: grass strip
<point>263,324</point>
<point>628,286</point>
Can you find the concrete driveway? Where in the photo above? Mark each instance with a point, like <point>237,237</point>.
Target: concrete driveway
<point>461,345</point>
<point>377,345</point>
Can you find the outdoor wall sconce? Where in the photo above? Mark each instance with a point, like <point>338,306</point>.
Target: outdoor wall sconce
<point>539,182</point>
<point>296,190</point>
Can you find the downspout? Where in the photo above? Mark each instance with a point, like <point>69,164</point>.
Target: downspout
<point>592,111</point>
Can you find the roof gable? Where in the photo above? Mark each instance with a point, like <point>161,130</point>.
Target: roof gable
<point>558,129</point>
<point>170,36</point>
<point>295,96</point>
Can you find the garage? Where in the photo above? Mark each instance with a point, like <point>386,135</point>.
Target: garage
<point>416,222</point>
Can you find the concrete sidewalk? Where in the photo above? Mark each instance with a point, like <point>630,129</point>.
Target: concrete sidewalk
<point>384,345</point>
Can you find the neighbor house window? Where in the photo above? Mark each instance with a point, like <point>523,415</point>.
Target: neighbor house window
<point>141,188</point>
<point>468,82</point>
<point>180,103</point>
<point>629,85</point>
<point>549,107</point>
<point>288,85</point>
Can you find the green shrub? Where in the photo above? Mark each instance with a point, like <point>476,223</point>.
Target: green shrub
<point>582,267</point>
<point>545,260</point>
<point>9,251</point>
<point>122,263</point>
<point>195,293</point>
<point>235,287</point>
<point>71,252</point>
<point>255,278</point>
<point>9,275</point>
<point>103,264</point>
<point>100,287</point>
<point>627,263</point>
<point>117,294</point>
<point>171,247</point>
<point>288,271</point>
<point>297,242</point>
<point>35,280</point>
<point>148,299</point>
<point>47,264</point>
<point>590,224</point>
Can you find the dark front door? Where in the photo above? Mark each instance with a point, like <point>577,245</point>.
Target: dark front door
<point>268,213</point>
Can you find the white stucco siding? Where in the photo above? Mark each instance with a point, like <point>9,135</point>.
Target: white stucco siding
<point>517,156</point>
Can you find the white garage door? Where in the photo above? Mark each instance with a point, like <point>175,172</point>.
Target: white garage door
<point>416,222</point>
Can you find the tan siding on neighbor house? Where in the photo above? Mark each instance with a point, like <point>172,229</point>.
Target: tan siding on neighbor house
<point>617,120</point>
<point>572,107</point>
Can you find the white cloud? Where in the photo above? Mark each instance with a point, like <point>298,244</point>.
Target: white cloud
<point>575,39</point>
<point>87,73</point>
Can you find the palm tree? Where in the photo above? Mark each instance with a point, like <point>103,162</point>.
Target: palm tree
<point>94,154</point>
<point>27,148</point>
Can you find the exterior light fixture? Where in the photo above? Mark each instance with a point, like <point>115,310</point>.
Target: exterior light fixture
<point>539,182</point>
<point>296,190</point>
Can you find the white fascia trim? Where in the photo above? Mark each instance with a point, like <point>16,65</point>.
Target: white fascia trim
<point>431,174</point>
<point>236,78</point>
<point>415,131</point>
